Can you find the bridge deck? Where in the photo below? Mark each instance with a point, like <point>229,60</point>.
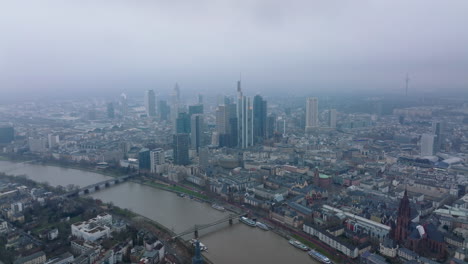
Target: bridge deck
<point>201,227</point>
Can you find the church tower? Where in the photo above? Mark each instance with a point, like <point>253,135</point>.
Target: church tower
<point>403,220</point>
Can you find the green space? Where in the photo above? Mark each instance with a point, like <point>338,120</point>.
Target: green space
<point>177,189</point>
<point>311,245</point>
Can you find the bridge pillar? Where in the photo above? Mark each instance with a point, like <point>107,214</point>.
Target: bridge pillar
<point>195,233</point>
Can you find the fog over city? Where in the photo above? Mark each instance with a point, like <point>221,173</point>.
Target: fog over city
<point>63,49</point>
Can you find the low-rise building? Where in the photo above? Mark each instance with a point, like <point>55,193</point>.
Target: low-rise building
<point>35,258</point>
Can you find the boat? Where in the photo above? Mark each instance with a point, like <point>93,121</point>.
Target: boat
<point>262,226</point>
<point>218,207</point>
<point>247,221</point>
<point>298,245</point>
<point>319,257</point>
<point>181,194</point>
<point>202,246</point>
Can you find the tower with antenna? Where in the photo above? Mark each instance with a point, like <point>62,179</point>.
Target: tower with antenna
<point>406,82</point>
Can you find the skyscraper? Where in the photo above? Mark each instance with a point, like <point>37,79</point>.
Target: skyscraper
<point>438,129</point>
<point>244,119</point>
<point>123,105</point>
<point>271,124</point>
<point>110,110</point>
<point>427,145</point>
<point>197,131</point>
<point>332,118</point>
<point>221,121</point>
<point>183,123</point>
<point>150,103</point>
<point>311,113</point>
<point>175,103</point>
<point>7,134</point>
<point>260,119</point>
<point>163,110</point>
<point>203,157</point>
<point>157,159</point>
<point>144,159</point>
<point>181,149</point>
<point>195,109</point>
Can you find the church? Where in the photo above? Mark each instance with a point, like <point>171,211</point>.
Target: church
<point>424,239</point>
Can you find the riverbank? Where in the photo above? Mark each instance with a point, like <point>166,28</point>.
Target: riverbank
<point>175,189</point>
<point>88,168</point>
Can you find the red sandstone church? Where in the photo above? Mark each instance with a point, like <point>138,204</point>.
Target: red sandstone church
<point>424,239</point>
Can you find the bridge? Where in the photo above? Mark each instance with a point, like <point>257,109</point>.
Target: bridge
<point>97,186</point>
<point>197,228</point>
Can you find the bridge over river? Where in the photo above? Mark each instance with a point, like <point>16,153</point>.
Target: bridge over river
<point>98,186</point>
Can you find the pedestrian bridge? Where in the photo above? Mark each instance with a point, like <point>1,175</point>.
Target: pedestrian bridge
<point>197,228</point>
<point>97,186</point>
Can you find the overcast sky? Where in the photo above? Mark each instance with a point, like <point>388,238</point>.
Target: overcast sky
<point>58,48</point>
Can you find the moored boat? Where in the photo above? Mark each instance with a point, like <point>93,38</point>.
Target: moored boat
<point>247,221</point>
<point>218,207</point>
<point>319,257</point>
<point>262,226</point>
<point>298,245</point>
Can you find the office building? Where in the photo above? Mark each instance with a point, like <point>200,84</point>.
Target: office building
<point>259,119</point>
<point>200,99</point>
<point>244,119</point>
<point>438,129</point>
<point>311,113</point>
<point>427,145</point>
<point>163,110</point>
<point>221,120</point>
<point>123,105</point>
<point>203,157</point>
<point>181,149</point>
<point>37,144</point>
<point>183,123</point>
<point>157,158</point>
<point>7,134</point>
<point>197,131</point>
<point>195,109</point>
<point>53,140</point>
<point>144,160</point>
<point>110,110</point>
<point>150,103</point>
<point>332,118</point>
<point>270,126</point>
<point>175,103</point>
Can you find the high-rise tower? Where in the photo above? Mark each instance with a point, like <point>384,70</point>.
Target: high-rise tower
<point>150,103</point>
<point>311,113</point>
<point>196,131</point>
<point>244,119</point>
<point>427,145</point>
<point>260,119</point>
<point>438,129</point>
<point>181,149</point>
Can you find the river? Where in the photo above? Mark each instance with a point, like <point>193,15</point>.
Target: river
<point>53,175</point>
<point>227,244</point>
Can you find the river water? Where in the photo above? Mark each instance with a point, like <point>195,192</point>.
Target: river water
<point>54,176</point>
<point>237,243</point>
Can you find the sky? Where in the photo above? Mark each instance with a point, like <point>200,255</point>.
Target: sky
<point>64,48</point>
